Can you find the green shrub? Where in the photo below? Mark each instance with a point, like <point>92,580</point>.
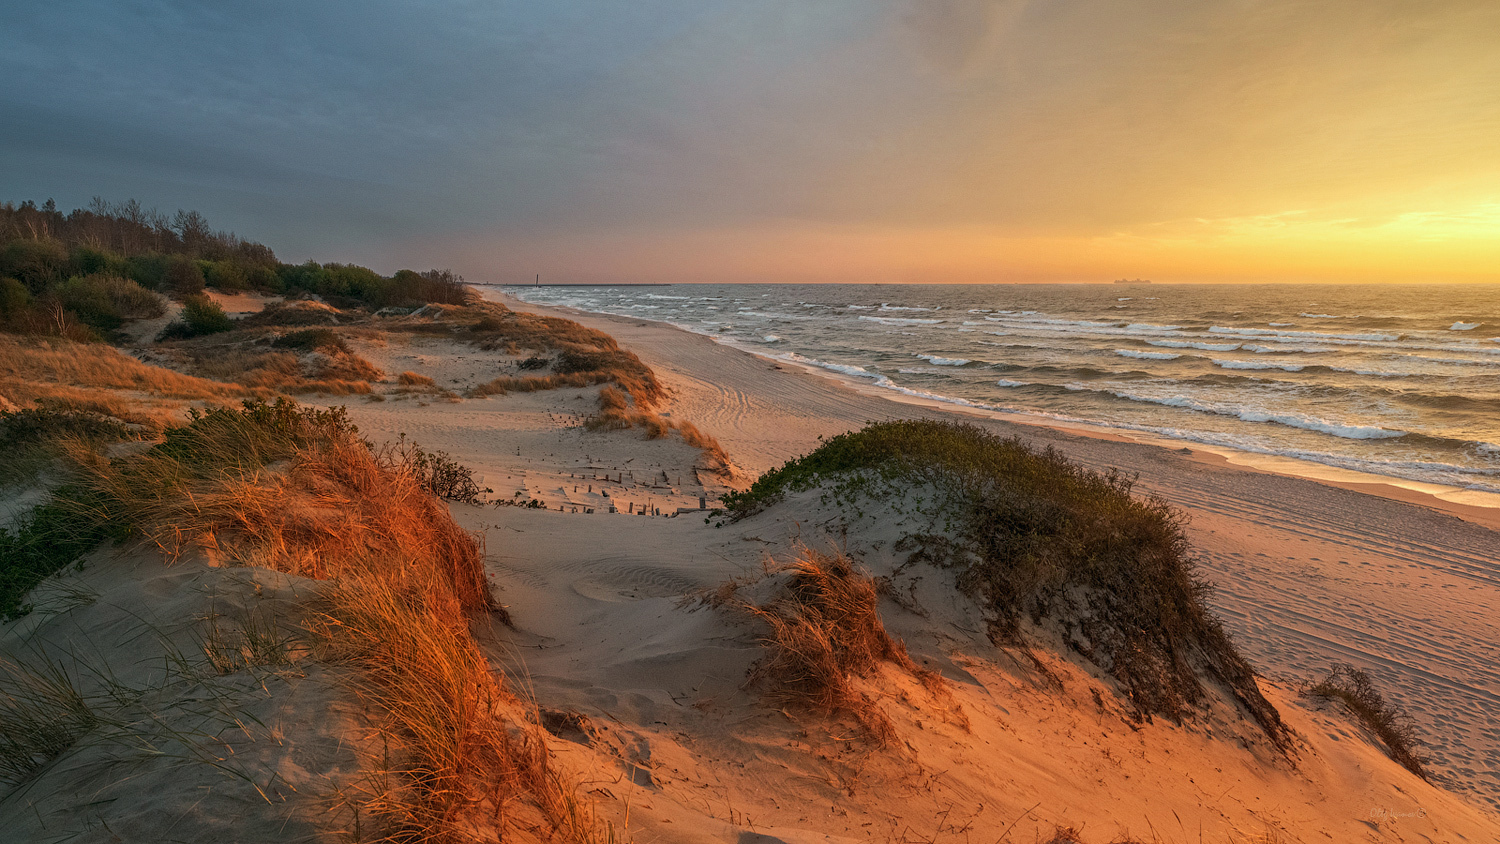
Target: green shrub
<point>227,276</point>
<point>1033,536</point>
<point>312,338</point>
<point>149,271</point>
<point>264,279</point>
<point>14,297</point>
<point>86,260</point>
<point>183,276</point>
<point>106,302</point>
<point>203,315</point>
<point>35,263</point>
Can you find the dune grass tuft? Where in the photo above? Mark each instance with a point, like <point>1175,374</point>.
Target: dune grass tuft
<point>823,630</point>
<point>413,379</point>
<point>1037,538</point>
<point>1354,688</point>
<point>616,414</point>
<point>42,714</point>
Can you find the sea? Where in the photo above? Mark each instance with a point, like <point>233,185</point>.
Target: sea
<point>1401,381</point>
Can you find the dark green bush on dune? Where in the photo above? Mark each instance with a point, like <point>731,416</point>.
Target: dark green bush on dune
<point>1037,538</point>
<point>41,248</point>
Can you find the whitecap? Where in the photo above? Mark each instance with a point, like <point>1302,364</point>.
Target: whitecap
<point>1005,382</point>
<point>1464,326</point>
<point>1256,364</point>
<point>1186,344</point>
<point>900,320</point>
<point>939,361</point>
<point>1293,420</point>
<point>1301,335</point>
<point>1132,353</point>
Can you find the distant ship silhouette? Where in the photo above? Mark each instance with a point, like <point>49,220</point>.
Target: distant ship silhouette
<point>1132,281</point>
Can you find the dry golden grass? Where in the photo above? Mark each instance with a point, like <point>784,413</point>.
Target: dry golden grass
<point>615,414</point>
<point>298,492</point>
<point>824,630</point>
<point>330,507</point>
<point>413,379</point>
<point>154,414</point>
<point>534,383</point>
<point>471,766</point>
<point>61,362</point>
<point>339,373</point>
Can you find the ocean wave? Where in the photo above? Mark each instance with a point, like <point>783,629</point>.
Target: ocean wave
<point>1079,323</point>
<point>1281,324</point>
<point>1147,326</point>
<point>1006,382</point>
<point>1257,364</point>
<point>1464,326</point>
<point>1189,344</point>
<point>841,368</point>
<point>1303,335</point>
<point>940,361</point>
<point>770,338</point>
<point>1292,420</point>
<point>1318,316</point>
<point>1282,350</point>
<point>1131,353</point>
<point>886,306</point>
<point>900,320</point>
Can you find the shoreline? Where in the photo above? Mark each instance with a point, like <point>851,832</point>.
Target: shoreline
<point>1305,573</point>
<point>1479,508</point>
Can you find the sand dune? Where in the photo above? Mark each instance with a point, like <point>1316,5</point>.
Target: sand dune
<point>1307,574</point>
<point>644,689</point>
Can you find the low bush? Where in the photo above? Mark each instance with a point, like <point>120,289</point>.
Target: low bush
<point>1354,688</point>
<point>183,276</point>
<point>106,302</point>
<point>436,471</point>
<point>413,379</point>
<point>312,339</point>
<point>1035,537</point>
<point>200,315</point>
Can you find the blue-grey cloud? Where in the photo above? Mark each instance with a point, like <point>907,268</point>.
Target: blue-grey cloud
<point>321,127</point>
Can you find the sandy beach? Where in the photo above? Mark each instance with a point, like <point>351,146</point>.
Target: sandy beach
<point>634,680</point>
<point>1305,573</point>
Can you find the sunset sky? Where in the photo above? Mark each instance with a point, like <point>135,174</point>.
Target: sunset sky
<point>837,140</point>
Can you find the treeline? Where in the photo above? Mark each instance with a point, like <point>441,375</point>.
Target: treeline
<point>85,273</point>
